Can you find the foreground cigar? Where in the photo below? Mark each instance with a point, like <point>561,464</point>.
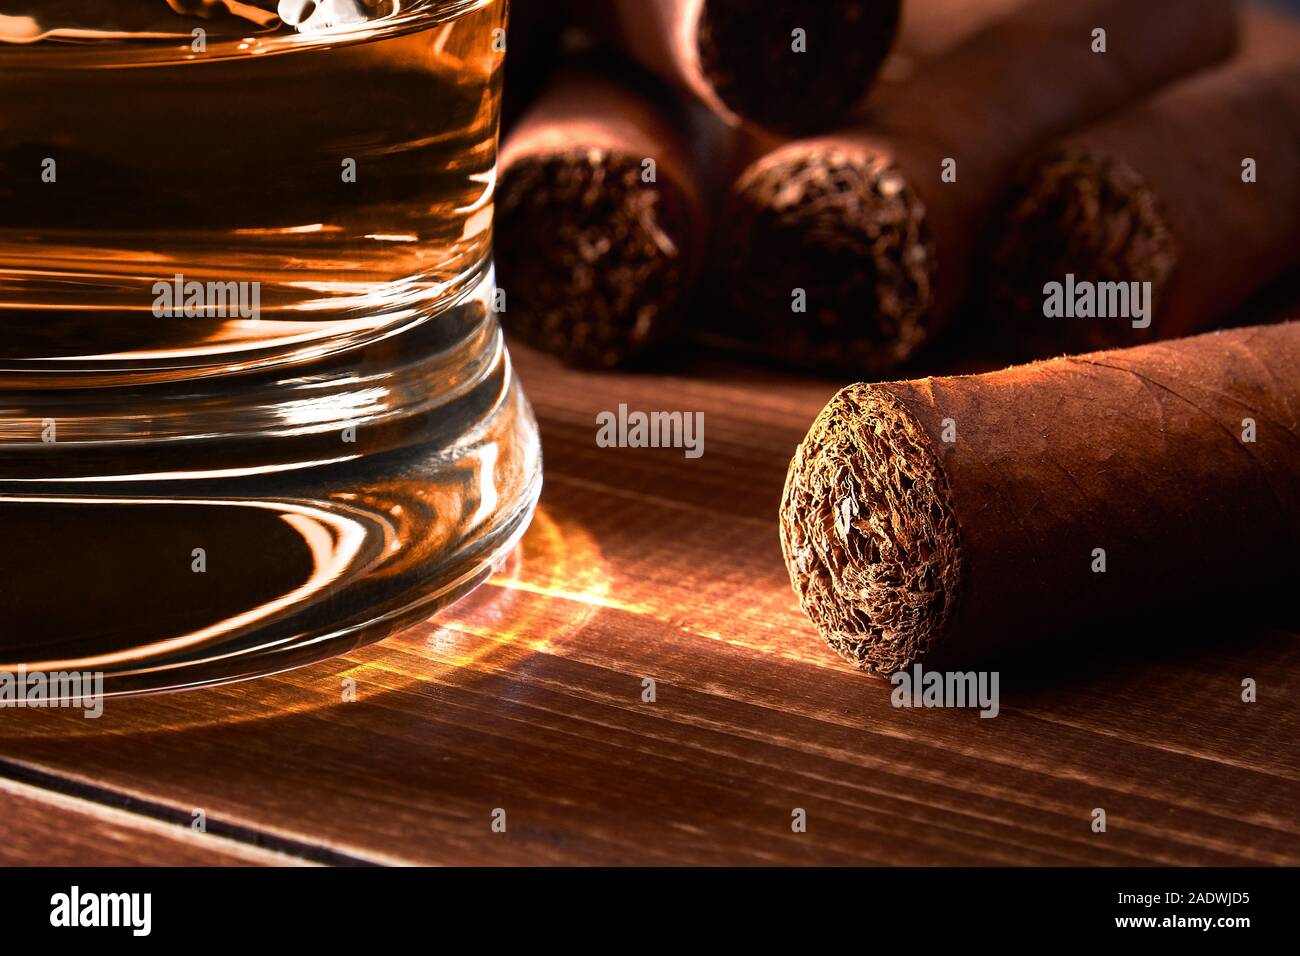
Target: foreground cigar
<point>740,56</point>
<point>948,518</point>
<point>600,223</point>
<point>1191,200</point>
<point>878,226</point>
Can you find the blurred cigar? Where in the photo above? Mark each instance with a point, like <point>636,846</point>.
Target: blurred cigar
<point>748,60</point>
<point>1162,199</point>
<point>533,38</point>
<point>931,28</point>
<point>600,222</point>
<point>860,230</point>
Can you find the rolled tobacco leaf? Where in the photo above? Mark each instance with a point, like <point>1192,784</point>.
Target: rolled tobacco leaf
<point>1190,200</point>
<point>794,66</point>
<point>854,249</point>
<point>932,28</point>
<point>947,519</point>
<point>533,43</point>
<point>600,223</point>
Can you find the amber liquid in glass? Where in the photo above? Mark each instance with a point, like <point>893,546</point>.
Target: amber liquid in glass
<point>355,414</point>
<point>233,164</point>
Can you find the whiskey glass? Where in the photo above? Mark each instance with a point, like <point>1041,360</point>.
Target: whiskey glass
<point>255,408</point>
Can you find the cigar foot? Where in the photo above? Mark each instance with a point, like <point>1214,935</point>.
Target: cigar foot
<point>1090,215</point>
<point>869,531</point>
<point>846,228</point>
<point>747,56</point>
<point>595,258</point>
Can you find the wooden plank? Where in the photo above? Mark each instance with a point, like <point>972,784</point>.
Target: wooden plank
<point>42,828</point>
<point>642,564</point>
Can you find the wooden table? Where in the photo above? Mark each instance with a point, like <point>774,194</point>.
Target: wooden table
<point>528,697</point>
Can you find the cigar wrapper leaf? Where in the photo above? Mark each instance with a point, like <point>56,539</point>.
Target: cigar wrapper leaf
<point>601,222</point>
<point>862,221</point>
<point>1158,195</point>
<point>953,519</point>
<point>740,59</point>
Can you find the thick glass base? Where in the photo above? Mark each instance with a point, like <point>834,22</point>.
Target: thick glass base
<point>172,535</point>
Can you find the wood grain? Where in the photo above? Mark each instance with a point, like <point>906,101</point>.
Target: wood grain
<point>641,564</point>
<point>50,829</point>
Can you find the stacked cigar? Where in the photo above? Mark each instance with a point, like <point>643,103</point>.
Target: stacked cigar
<point>1003,146</point>
<point>612,186</point>
<point>605,205</point>
<point>862,187</point>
